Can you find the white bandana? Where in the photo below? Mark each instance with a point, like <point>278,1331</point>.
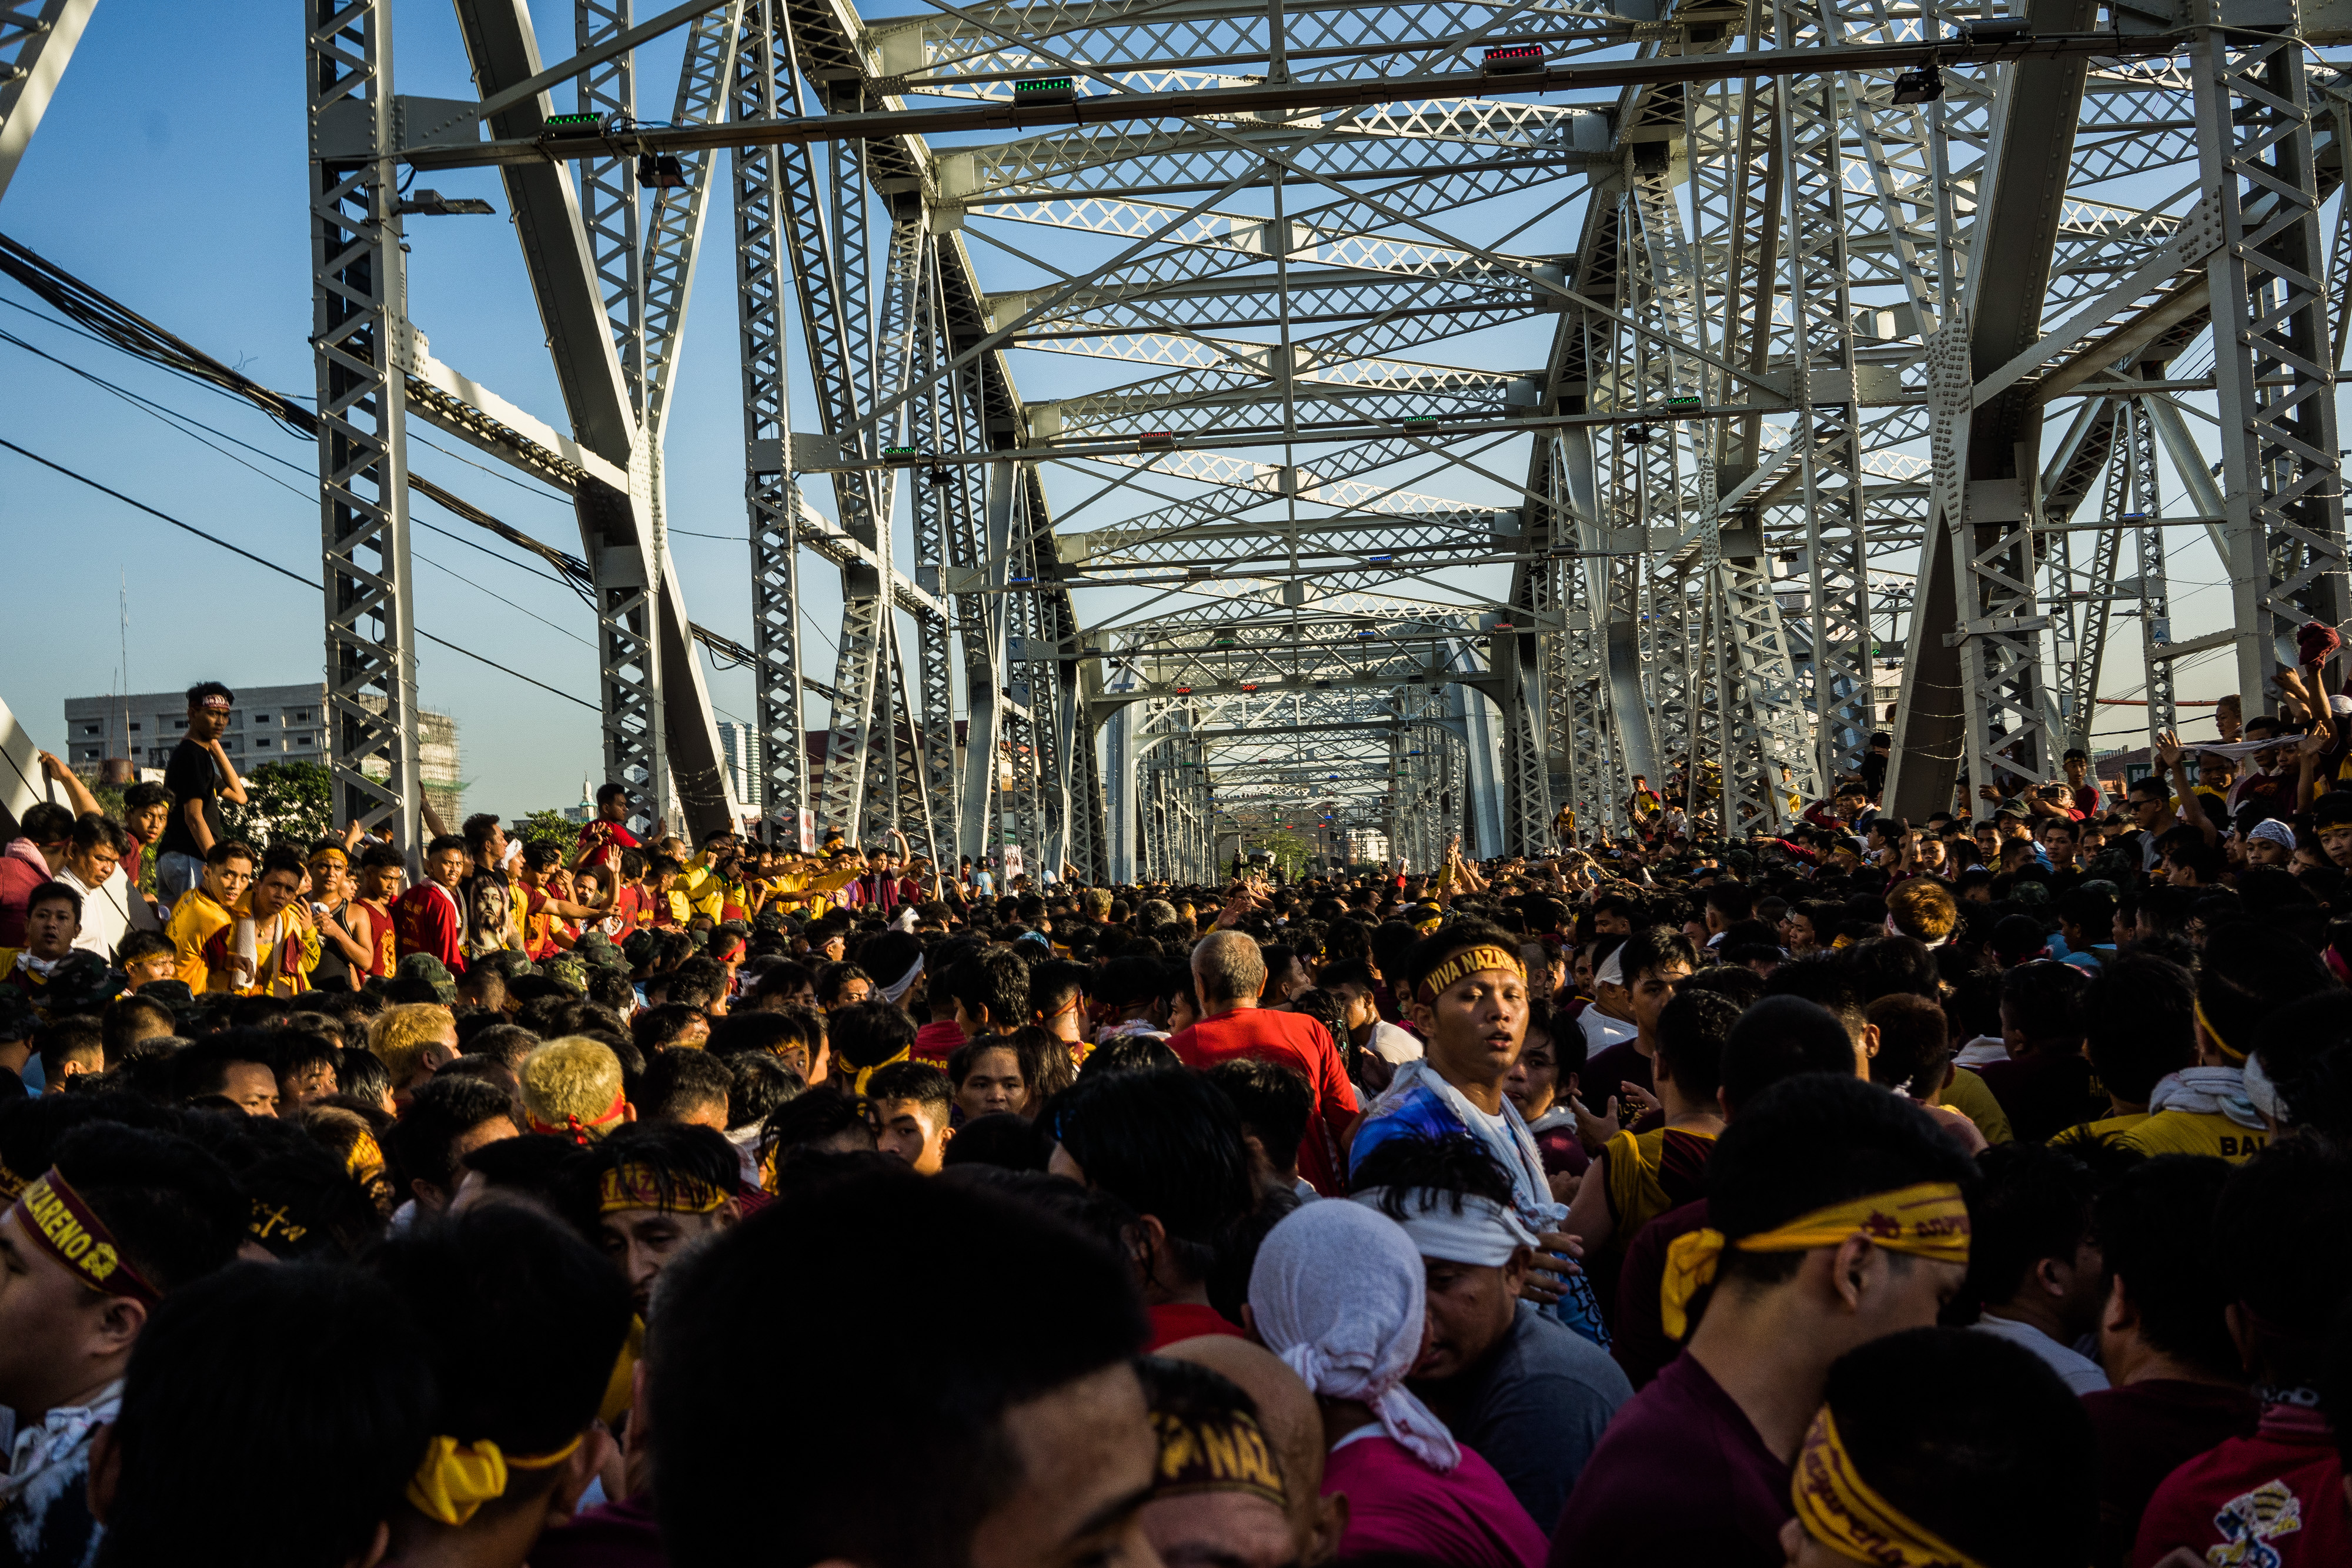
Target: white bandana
<point>1339,1292</point>
<point>2262,1095</point>
<point>1483,1233</point>
<point>898,987</point>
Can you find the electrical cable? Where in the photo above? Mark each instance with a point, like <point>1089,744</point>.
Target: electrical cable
<point>273,566</point>
<point>118,327</point>
<point>179,422</point>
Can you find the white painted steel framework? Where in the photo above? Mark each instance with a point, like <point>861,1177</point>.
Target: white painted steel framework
<point>1457,410</point>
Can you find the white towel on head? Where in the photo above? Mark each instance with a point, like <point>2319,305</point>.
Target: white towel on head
<point>900,986</point>
<point>1338,1293</point>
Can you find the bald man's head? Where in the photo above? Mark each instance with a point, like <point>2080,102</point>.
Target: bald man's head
<point>1293,1423</point>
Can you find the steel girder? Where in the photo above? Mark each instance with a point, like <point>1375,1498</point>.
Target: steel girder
<point>36,40</point>
<point>772,491</point>
<point>1875,304</point>
<point>359,304</point>
<point>659,734</point>
<point>2282,488</point>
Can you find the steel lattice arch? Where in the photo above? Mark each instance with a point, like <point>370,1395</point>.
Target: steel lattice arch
<point>1818,363</point>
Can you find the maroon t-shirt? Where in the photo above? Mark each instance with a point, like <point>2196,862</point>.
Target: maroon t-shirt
<point>2223,1505</point>
<point>2147,1430</point>
<point>1623,1062</point>
<point>1680,1477</point>
<point>1638,1333</point>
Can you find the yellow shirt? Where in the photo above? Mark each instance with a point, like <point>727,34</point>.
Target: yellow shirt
<point>196,920</point>
<point>1968,1094</point>
<point>284,962</point>
<point>2194,1132</point>
<point>2094,1132</point>
<point>697,889</point>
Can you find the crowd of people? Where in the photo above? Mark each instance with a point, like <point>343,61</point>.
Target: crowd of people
<point>1973,1195</point>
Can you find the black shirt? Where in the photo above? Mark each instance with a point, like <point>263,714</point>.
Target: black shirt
<point>191,777</point>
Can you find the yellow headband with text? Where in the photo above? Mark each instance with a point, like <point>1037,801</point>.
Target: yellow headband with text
<point>1840,1510</point>
<point>640,1186</point>
<point>1929,1220</point>
<point>1469,961</point>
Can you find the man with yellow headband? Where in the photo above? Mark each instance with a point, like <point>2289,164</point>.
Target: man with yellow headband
<point>1991,1470</point>
<point>1837,1215</point>
<point>1467,990</point>
<point>515,1436</point>
<point>89,1249</point>
<point>656,1187</point>
<point>1218,1495</point>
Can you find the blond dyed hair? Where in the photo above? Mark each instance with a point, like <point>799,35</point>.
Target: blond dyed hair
<point>399,1034</point>
<point>572,1081</point>
<point>1923,908</point>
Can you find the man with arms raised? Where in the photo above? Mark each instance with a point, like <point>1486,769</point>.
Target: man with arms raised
<point>602,838</point>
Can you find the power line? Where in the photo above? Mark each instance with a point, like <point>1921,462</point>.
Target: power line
<point>120,328</point>
<point>177,421</point>
<point>273,566</point>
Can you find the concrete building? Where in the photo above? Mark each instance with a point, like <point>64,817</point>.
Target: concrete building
<point>739,750</point>
<point>266,723</point>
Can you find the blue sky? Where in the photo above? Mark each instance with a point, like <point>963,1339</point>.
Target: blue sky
<point>169,174</point>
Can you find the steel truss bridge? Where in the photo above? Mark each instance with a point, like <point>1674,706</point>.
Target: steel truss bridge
<point>1888,336</point>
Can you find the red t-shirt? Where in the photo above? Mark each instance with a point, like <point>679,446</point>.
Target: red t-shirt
<point>600,843</point>
<point>424,920</point>
<point>1175,1320</point>
<point>629,909</point>
<point>1299,1043</point>
<point>2143,1432</point>
<point>2281,1489</point>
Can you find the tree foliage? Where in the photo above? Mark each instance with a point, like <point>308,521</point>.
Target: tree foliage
<point>289,803</point>
<point>549,826</point>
